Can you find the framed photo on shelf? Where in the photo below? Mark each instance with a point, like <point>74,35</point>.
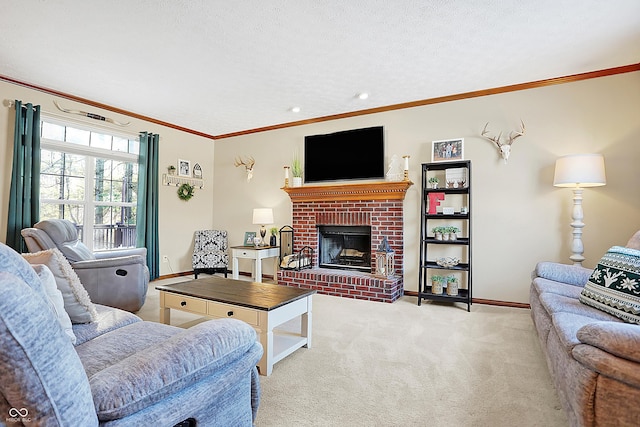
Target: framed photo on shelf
<point>197,171</point>
<point>248,238</point>
<point>184,168</point>
<point>447,150</point>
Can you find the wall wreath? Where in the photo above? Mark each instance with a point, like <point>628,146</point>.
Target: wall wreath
<point>185,192</point>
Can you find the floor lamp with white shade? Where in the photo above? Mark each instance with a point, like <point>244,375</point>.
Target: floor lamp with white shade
<point>578,171</point>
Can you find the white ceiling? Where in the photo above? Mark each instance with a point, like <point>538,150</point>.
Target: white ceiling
<point>220,66</point>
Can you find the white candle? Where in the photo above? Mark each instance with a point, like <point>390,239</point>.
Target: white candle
<point>286,172</point>
<point>406,162</point>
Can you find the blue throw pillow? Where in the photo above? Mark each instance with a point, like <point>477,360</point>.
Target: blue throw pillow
<point>614,285</point>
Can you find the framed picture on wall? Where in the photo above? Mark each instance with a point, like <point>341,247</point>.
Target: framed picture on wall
<point>447,150</point>
<point>184,168</point>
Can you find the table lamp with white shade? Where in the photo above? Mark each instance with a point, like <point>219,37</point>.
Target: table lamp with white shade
<point>262,217</point>
<point>578,171</point>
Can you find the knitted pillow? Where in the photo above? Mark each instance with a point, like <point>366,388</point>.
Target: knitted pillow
<point>614,285</point>
<point>77,302</point>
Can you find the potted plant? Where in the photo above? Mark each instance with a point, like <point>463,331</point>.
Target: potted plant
<point>452,285</point>
<point>452,232</point>
<point>296,170</point>
<point>272,238</point>
<point>437,232</point>
<point>434,182</point>
<point>171,169</point>
<point>436,284</point>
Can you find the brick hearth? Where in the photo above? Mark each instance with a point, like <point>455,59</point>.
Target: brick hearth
<point>382,210</point>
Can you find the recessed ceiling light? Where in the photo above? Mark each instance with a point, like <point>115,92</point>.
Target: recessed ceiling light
<point>295,109</point>
<point>363,95</point>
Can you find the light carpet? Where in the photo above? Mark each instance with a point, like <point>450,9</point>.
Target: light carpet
<point>380,364</point>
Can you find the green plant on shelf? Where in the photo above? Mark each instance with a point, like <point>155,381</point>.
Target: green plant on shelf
<point>452,279</point>
<point>437,279</point>
<point>433,180</point>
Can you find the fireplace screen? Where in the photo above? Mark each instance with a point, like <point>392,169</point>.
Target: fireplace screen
<point>345,247</point>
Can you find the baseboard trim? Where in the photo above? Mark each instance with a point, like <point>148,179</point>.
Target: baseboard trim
<point>484,301</point>
<point>408,293</point>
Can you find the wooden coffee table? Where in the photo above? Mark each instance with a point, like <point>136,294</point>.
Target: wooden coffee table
<point>263,306</point>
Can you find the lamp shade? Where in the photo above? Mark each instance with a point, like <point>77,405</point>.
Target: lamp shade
<point>580,170</point>
<point>263,216</point>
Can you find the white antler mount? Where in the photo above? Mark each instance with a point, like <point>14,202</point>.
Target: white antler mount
<point>504,147</point>
<point>248,166</point>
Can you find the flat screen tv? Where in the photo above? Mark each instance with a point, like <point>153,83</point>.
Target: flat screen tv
<point>347,155</point>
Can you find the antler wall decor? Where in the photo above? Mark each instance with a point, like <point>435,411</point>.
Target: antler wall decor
<point>248,165</point>
<point>90,115</point>
<point>504,147</point>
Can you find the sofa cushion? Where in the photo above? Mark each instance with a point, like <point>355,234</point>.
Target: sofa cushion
<point>570,274</point>
<point>169,367</point>
<point>55,297</point>
<point>567,326</point>
<point>614,285</point>
<point>107,320</point>
<point>545,285</point>
<point>77,302</point>
<point>32,365</point>
<point>555,303</point>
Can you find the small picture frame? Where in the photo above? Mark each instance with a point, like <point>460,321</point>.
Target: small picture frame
<point>184,168</point>
<point>197,171</point>
<point>248,238</point>
<point>447,150</point>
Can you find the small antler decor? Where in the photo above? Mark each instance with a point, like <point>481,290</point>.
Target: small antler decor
<point>504,147</point>
<point>248,165</point>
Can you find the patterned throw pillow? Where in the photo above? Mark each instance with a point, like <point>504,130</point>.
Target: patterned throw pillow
<point>614,285</point>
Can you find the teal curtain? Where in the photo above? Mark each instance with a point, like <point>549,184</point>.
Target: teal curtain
<point>147,216</point>
<point>24,195</point>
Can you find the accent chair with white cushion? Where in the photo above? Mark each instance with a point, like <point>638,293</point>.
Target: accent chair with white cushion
<point>114,278</point>
<point>210,252</point>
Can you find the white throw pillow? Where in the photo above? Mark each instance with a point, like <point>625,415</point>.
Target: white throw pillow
<point>77,302</point>
<point>55,298</point>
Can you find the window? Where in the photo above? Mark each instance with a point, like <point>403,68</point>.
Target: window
<point>90,177</point>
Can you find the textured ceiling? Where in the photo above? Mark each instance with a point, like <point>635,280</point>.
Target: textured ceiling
<point>220,67</point>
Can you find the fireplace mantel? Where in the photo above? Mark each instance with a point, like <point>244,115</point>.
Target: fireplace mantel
<point>379,190</point>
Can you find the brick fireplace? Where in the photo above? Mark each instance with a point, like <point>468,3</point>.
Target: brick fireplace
<point>377,205</point>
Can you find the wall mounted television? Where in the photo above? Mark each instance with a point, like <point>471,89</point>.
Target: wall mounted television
<point>346,155</point>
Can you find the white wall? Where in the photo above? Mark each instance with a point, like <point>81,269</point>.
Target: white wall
<point>178,219</point>
<point>519,218</point>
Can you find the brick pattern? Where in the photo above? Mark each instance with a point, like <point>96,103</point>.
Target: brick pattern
<point>385,218</point>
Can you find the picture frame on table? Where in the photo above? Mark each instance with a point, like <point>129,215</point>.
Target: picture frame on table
<point>184,168</point>
<point>447,150</point>
<point>248,238</point>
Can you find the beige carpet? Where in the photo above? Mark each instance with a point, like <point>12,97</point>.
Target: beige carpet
<point>377,364</point>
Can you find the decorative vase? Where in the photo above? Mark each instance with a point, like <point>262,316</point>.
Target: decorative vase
<point>452,288</point>
<point>272,240</point>
<point>296,181</point>
<point>438,236</point>
<point>434,185</point>
<point>453,236</point>
<point>445,236</point>
<point>436,287</point>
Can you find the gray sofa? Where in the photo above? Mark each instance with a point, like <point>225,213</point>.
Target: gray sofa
<point>593,357</point>
<point>121,371</point>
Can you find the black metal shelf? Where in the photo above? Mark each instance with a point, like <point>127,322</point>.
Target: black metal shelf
<point>430,248</point>
<point>434,265</point>
<point>458,241</point>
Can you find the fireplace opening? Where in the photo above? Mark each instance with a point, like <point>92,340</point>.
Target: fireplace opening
<point>344,247</point>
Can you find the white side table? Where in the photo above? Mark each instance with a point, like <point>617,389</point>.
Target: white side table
<point>257,254</point>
